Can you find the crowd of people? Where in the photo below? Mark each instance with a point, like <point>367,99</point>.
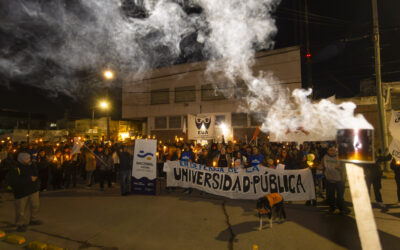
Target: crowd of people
<point>60,166</point>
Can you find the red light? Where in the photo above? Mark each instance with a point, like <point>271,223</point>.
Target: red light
<point>308,55</point>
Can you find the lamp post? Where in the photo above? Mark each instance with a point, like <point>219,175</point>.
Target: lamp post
<point>108,76</point>
<point>104,105</point>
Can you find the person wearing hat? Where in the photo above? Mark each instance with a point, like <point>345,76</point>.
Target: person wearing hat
<point>22,178</point>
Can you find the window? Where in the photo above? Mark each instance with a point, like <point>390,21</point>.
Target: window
<point>256,119</point>
<point>185,94</point>
<point>219,119</point>
<point>175,122</point>
<point>160,122</point>
<point>241,89</point>
<point>208,93</point>
<point>159,96</point>
<point>395,99</point>
<point>239,119</point>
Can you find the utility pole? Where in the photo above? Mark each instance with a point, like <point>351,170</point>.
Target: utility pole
<point>308,51</point>
<point>381,107</point>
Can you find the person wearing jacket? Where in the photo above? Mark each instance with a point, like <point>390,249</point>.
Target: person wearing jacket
<point>22,178</point>
<point>395,166</point>
<point>90,166</point>
<point>104,165</point>
<point>43,165</point>
<point>125,162</point>
<point>335,181</point>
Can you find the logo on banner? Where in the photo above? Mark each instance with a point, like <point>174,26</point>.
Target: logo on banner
<point>149,156</point>
<point>203,122</point>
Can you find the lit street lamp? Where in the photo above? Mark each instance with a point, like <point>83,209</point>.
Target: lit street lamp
<point>104,105</point>
<point>108,74</point>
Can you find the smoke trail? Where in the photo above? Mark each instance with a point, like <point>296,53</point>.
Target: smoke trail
<point>59,40</point>
<point>62,40</point>
<point>238,28</point>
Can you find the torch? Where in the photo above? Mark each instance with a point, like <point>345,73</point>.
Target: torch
<point>357,146</point>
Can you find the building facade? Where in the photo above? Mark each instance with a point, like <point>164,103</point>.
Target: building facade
<point>164,97</point>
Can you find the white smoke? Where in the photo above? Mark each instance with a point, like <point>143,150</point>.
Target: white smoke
<point>96,34</point>
<point>89,35</point>
<point>238,28</point>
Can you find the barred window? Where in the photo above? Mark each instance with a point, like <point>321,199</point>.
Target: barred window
<point>185,94</point>
<point>159,96</point>
<point>256,119</point>
<point>160,122</point>
<point>208,93</point>
<point>175,122</point>
<point>241,89</point>
<point>239,119</point>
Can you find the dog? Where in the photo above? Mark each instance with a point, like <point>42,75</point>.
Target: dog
<point>266,205</point>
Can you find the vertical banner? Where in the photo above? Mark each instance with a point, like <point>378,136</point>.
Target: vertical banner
<point>201,127</point>
<point>394,125</point>
<point>144,170</point>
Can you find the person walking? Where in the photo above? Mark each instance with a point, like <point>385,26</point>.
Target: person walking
<point>22,178</point>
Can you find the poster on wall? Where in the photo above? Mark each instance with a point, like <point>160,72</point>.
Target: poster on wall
<point>144,169</point>
<point>201,127</point>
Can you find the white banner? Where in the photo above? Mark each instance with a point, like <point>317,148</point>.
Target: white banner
<point>394,125</point>
<point>394,149</point>
<point>251,183</point>
<point>144,159</point>
<point>201,127</point>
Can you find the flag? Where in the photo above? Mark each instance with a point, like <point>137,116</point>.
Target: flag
<point>76,149</point>
<point>256,132</point>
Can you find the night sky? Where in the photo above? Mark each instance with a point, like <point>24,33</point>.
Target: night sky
<point>340,40</point>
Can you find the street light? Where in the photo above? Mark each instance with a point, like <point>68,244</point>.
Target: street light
<point>108,74</point>
<point>104,105</point>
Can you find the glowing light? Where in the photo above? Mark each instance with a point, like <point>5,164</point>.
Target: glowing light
<point>108,74</point>
<point>104,105</point>
<point>124,136</point>
<point>154,137</point>
<point>214,163</point>
<point>2,141</point>
<point>397,162</point>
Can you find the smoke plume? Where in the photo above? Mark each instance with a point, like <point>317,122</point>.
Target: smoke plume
<point>62,40</point>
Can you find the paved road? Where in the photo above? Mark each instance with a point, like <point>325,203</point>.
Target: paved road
<point>90,219</point>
